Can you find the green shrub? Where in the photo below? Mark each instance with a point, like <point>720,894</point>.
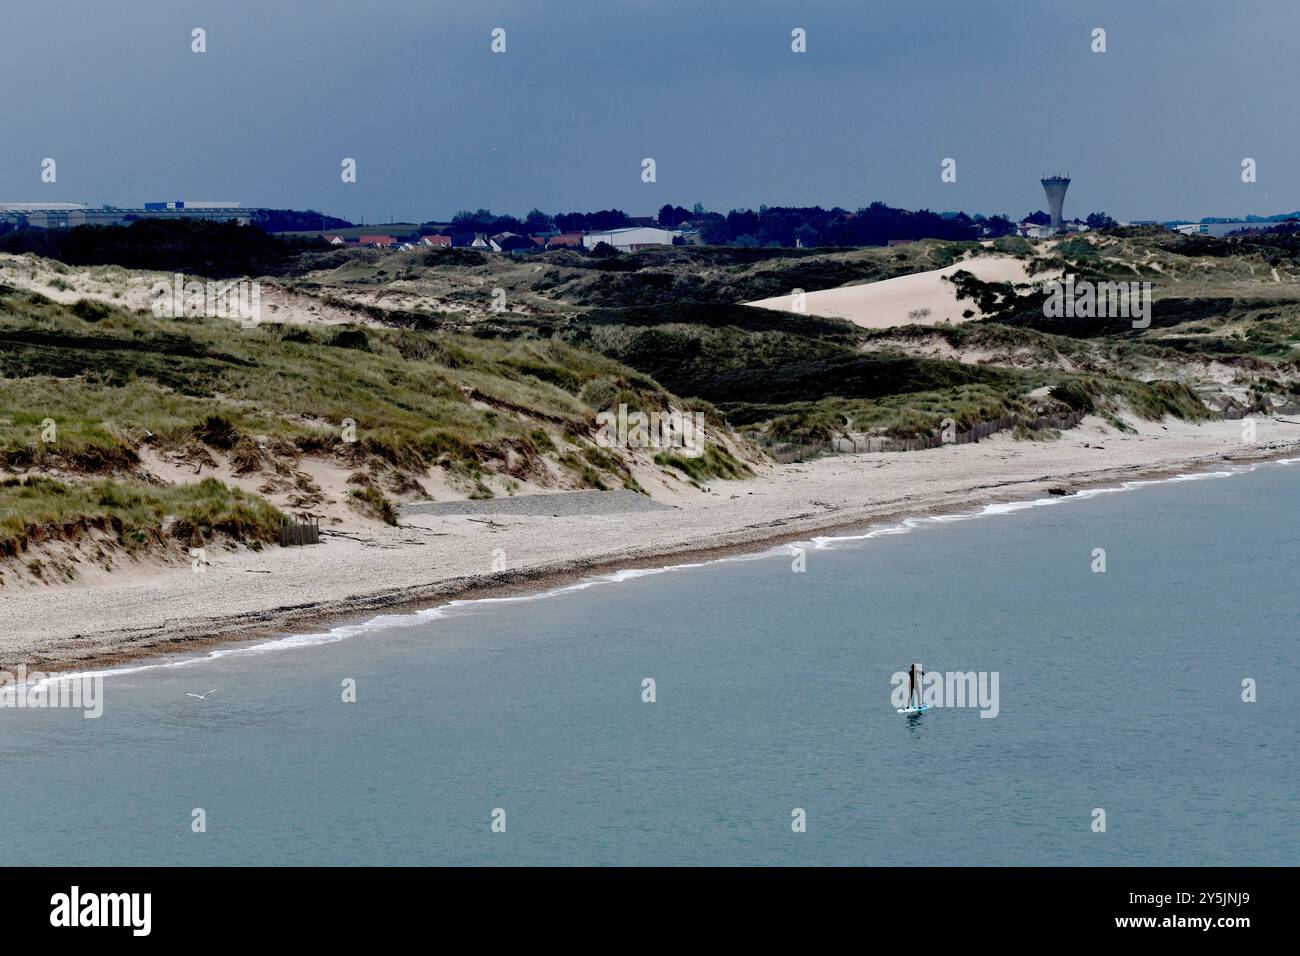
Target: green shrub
<point>369,500</point>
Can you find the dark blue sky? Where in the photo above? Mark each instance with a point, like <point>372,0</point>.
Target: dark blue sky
<point>1156,127</point>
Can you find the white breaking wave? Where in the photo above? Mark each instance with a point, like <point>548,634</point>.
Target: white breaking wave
<point>1011,507</point>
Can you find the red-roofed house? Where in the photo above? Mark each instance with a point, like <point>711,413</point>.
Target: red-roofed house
<point>572,239</point>
<point>442,242</point>
<point>379,242</point>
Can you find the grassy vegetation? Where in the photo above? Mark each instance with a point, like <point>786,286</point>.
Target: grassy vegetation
<point>1155,400</point>
<point>657,283</point>
<point>911,415</point>
<point>714,463</point>
<point>1022,432</point>
<point>1075,394</point>
<point>674,315</point>
<point>445,382</point>
<point>92,394</point>
<point>671,315</point>
<point>802,378</point>
<point>126,380</point>
<point>136,513</point>
<point>372,501</point>
<point>755,365</point>
<point>87,388</point>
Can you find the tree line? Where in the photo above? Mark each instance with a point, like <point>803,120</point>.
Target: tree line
<point>787,226</point>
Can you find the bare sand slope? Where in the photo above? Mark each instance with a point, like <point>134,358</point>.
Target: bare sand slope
<point>138,289</point>
<point>923,298</point>
<point>432,558</point>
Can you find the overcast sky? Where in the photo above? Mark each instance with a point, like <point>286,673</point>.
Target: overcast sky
<point>1155,127</point>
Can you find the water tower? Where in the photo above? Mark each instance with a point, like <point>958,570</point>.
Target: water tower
<point>1055,187</point>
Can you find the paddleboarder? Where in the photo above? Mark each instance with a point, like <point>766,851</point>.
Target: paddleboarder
<point>914,676</point>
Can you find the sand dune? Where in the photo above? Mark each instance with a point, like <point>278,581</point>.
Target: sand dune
<point>135,289</point>
<point>924,298</point>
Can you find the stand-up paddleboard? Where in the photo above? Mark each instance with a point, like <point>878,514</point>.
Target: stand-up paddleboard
<point>914,693</point>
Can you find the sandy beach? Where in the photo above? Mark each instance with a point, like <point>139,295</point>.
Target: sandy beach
<point>432,558</point>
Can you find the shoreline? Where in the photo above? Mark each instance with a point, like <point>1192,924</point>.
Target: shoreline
<point>198,634</point>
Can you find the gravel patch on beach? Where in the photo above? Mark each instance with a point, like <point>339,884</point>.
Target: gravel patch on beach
<point>566,504</point>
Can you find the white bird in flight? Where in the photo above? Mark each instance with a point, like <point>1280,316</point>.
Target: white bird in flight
<point>202,696</point>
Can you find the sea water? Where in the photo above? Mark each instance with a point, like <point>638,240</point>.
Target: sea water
<point>522,731</point>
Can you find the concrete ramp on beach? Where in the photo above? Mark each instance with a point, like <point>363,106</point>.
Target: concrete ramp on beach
<point>924,298</point>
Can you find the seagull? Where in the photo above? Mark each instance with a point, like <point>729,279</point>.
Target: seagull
<point>202,696</point>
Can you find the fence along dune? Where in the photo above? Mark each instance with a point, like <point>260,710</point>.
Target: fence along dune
<point>303,529</point>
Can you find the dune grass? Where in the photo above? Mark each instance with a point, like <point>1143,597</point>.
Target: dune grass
<point>35,509</point>
<point>715,462</point>
<point>411,398</point>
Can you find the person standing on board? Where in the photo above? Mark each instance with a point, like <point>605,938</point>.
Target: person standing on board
<point>914,684</point>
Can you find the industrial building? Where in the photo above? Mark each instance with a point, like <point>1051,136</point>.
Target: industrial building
<point>630,239</point>
<point>189,204</point>
<point>1238,227</point>
<point>42,215</point>
<point>26,207</point>
<point>211,213</point>
<point>68,215</point>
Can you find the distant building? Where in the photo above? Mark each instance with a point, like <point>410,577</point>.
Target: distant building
<point>571,240</point>
<point>62,215</point>
<point>377,242</point>
<point>191,209</point>
<point>630,239</point>
<point>1239,228</point>
<point>26,207</point>
<point>438,242</point>
<point>1034,230</point>
<point>48,219</point>
<point>336,240</point>
<point>189,204</point>
<point>511,242</point>
<point>100,217</point>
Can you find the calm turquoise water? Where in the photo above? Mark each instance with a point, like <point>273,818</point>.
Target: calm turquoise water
<point>1118,690</point>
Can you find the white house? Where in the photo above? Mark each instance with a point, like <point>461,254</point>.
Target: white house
<point>1032,230</point>
<point>630,239</point>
